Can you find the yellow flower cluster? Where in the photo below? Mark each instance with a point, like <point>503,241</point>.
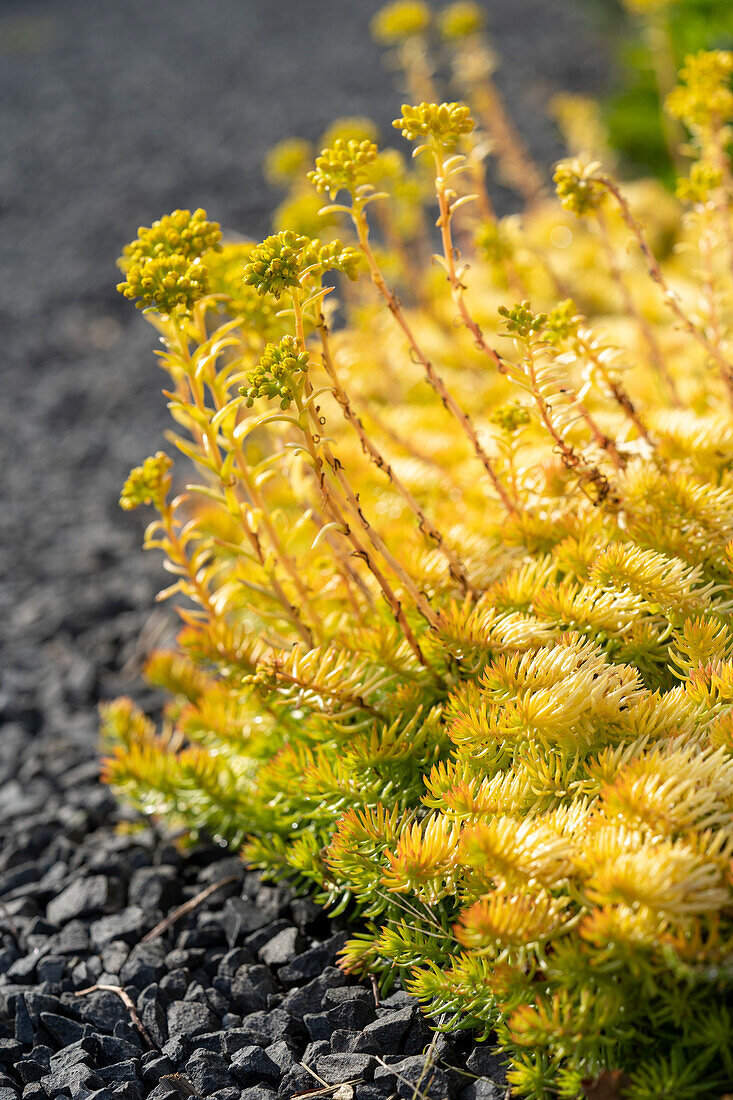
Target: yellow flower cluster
<point>178,234</point>
<point>510,417</point>
<point>343,166</point>
<point>257,311</point>
<point>401,20</point>
<point>521,321</point>
<point>163,265</point>
<point>287,161</point>
<point>147,484</point>
<point>704,98</point>
<point>442,123</point>
<point>334,256</point>
<point>577,188</point>
<point>698,186</point>
<point>168,283</point>
<point>276,264</point>
<point>277,374</point>
<point>461,20</point>
<point>561,321</point>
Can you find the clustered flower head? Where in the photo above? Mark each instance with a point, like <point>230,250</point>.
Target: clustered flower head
<point>443,123</point>
<point>510,418</point>
<point>278,373</point>
<point>704,99</point>
<point>521,321</point>
<point>354,128</point>
<point>282,259</point>
<point>343,166</point>
<point>401,20</point>
<point>577,187</point>
<point>163,265</point>
<point>258,311</point>
<point>287,160</point>
<point>147,484</point>
<point>562,321</point>
<point>168,283</point>
<point>702,180</point>
<point>461,20</point>
<point>333,256</point>
<point>180,233</point>
<point>276,264</point>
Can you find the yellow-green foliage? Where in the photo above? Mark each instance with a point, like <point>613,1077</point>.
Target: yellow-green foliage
<point>457,585</point>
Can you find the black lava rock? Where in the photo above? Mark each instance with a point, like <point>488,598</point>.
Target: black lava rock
<point>312,962</point>
<point>97,894</point>
<point>63,1030</point>
<point>128,925</point>
<point>66,1080</point>
<point>282,1054</point>
<point>349,1016</point>
<point>337,1069</point>
<point>295,1081</point>
<point>308,998</point>
<point>483,1089</point>
<point>155,1022</point>
<point>485,1062</point>
<point>103,1010</point>
<point>143,965</point>
<point>263,1028</point>
<point>153,1066</point>
<point>251,1063</point>
<point>282,947</point>
<point>189,1018</point>
<point>240,918</point>
<point>119,1072</point>
<point>258,1092</point>
<point>385,1034</point>
<point>154,888</point>
<point>231,962</point>
<point>23,1023</point>
<point>411,1073</point>
<point>250,988</point>
<point>207,1072</point>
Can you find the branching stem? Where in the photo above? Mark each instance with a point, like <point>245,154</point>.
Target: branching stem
<point>671,299</point>
<point>435,380</point>
<point>655,352</point>
<point>371,450</point>
<point>335,510</point>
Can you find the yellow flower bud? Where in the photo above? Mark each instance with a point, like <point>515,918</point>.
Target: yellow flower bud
<point>147,484</point>
<point>343,166</point>
<point>704,98</point>
<point>443,123</point>
<point>460,20</point>
<point>401,20</point>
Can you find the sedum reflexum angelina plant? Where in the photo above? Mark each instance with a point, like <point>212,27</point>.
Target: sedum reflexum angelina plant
<point>455,570</point>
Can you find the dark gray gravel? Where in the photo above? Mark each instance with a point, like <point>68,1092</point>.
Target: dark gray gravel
<point>222,1005</point>
<point>110,115</point>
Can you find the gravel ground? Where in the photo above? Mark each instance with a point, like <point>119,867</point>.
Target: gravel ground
<point>110,115</point>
